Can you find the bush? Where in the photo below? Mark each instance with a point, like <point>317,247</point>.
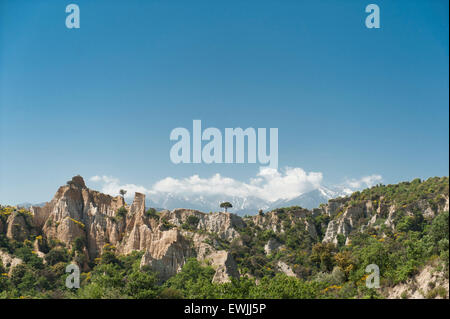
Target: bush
<point>166,225</point>
<point>192,220</point>
<point>56,255</point>
<point>121,212</point>
<point>191,223</point>
<point>439,228</point>
<point>170,293</point>
<point>151,213</point>
<point>141,285</point>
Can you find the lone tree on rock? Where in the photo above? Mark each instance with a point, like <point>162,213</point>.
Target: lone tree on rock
<point>226,205</point>
<point>122,192</point>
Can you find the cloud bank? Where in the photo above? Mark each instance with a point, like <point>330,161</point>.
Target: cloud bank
<point>364,182</point>
<point>269,184</point>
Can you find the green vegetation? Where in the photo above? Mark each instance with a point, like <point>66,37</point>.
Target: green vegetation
<point>191,223</point>
<point>406,193</point>
<point>152,213</point>
<point>33,278</point>
<point>165,224</point>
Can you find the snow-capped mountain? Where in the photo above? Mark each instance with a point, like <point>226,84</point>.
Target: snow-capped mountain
<point>242,205</point>
<point>311,199</point>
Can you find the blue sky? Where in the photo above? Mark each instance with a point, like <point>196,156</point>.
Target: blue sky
<point>102,100</point>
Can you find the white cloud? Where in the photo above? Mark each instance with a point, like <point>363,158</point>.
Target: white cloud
<point>269,184</point>
<point>95,178</point>
<point>364,182</point>
<point>112,186</point>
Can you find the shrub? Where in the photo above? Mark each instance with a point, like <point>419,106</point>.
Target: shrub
<point>151,213</point>
<point>79,244</point>
<point>166,225</point>
<point>170,293</point>
<point>121,212</point>
<point>141,285</point>
<point>442,292</point>
<point>56,255</point>
<point>192,220</point>
<point>341,240</point>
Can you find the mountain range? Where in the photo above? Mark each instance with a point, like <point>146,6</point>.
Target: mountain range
<point>244,205</point>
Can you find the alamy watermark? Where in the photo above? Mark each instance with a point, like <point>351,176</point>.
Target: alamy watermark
<point>73,19</point>
<point>233,147</point>
<point>373,19</point>
<point>373,280</point>
<point>73,280</point>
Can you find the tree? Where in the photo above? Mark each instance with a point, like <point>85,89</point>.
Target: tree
<point>141,285</point>
<point>322,254</point>
<point>226,205</point>
<point>122,192</point>
<point>152,213</point>
<point>194,281</point>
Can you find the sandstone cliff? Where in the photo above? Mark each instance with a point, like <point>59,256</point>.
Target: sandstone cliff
<point>78,212</point>
<point>347,216</point>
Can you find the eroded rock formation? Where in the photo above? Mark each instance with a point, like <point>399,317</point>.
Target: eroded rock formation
<point>78,212</point>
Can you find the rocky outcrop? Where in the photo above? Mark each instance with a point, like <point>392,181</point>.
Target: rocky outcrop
<point>429,283</point>
<point>167,255</point>
<point>76,211</point>
<point>346,220</point>
<point>347,217</point>
<point>225,225</point>
<point>284,268</point>
<point>37,250</point>
<point>272,246</point>
<point>274,220</point>
<point>225,266</point>
<point>18,226</point>
<point>9,261</point>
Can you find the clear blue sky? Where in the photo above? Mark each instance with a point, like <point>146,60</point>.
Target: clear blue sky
<point>102,100</point>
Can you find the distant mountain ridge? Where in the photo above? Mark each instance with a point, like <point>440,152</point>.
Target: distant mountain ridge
<point>244,205</point>
<point>311,199</point>
<point>27,205</point>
